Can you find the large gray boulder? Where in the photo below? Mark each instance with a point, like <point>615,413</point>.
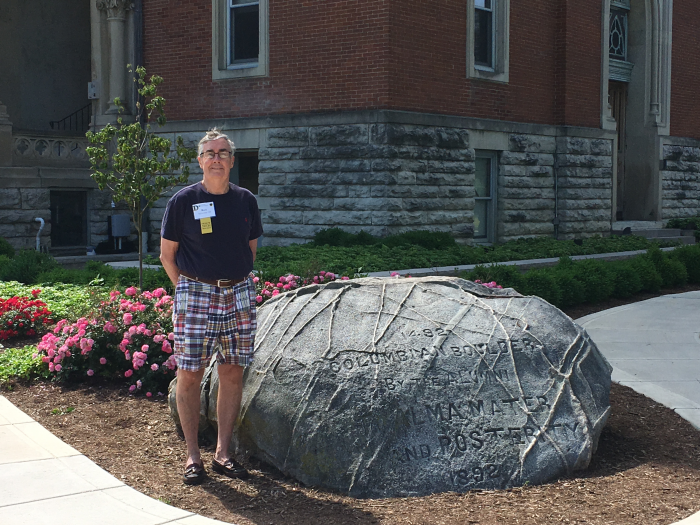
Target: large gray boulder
<point>391,387</point>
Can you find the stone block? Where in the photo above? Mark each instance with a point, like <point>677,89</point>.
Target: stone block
<point>437,204</point>
<point>298,166</point>
<point>433,218</point>
<point>156,214</point>
<point>303,191</point>
<point>585,204</point>
<point>24,217</point>
<point>534,172</point>
<point>532,143</point>
<point>288,204</point>
<point>595,215</point>
<point>364,151</point>
<point>527,159</point>
<point>438,154</point>
<point>682,165</point>
<point>355,165</point>
<point>338,218</point>
<point>282,217</point>
<point>525,193</point>
<point>287,137</point>
<point>672,152</point>
<point>581,182</point>
<point>456,192</point>
<point>585,173</point>
<point>462,230</point>
<point>526,204</point>
<point>445,179</point>
<point>278,153</point>
<point>399,165</point>
<point>423,192</point>
<point>273,179</point>
<point>602,147</point>
<point>359,192</point>
<point>342,135</point>
<point>10,198</point>
<point>514,230</point>
<point>35,199</point>
<point>369,204</point>
<point>585,194</point>
<point>584,161</point>
<point>424,136</point>
<point>398,218</point>
<point>294,231</point>
<point>585,228</point>
<point>450,167</point>
<point>529,216</point>
<point>526,182</point>
<point>573,146</point>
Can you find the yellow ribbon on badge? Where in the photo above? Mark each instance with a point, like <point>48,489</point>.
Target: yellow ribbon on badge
<point>205,223</point>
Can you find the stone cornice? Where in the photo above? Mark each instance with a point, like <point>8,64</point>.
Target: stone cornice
<point>114,8</point>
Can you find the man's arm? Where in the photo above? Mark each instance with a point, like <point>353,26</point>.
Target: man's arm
<point>253,247</point>
<point>168,251</point>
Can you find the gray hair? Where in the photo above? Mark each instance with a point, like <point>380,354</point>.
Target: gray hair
<point>215,134</point>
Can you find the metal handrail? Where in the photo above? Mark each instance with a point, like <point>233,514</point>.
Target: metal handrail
<point>77,121</point>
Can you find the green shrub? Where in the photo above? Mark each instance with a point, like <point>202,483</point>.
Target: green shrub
<point>690,257</point>
<point>542,283</point>
<point>673,273</point>
<point>572,291</point>
<point>20,363</point>
<point>425,239</point>
<point>26,266</point>
<point>650,277</point>
<point>508,276</point>
<point>6,248</point>
<point>627,281</point>
<point>598,281</point>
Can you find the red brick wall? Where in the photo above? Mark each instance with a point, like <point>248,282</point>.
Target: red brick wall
<point>685,73</point>
<point>391,54</point>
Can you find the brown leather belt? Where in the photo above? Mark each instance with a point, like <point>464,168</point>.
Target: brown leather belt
<point>221,283</point>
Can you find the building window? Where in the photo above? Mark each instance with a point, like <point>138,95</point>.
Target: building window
<point>68,218</point>
<point>483,33</point>
<point>245,171</point>
<point>488,36</point>
<point>485,197</point>
<point>618,31</point>
<point>244,33</point>
<point>239,39</point>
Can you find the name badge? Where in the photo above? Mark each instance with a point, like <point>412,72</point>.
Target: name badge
<point>203,210</point>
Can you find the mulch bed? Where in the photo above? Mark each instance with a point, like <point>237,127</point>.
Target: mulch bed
<point>646,469</point>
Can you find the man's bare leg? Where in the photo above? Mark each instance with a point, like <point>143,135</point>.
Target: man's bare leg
<point>227,407</point>
<point>188,404</point>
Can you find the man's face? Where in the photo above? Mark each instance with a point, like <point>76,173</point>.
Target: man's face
<point>216,168</point>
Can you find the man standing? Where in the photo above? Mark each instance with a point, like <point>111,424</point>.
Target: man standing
<point>208,244</point>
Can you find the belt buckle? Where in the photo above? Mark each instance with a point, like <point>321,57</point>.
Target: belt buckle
<point>219,281</point>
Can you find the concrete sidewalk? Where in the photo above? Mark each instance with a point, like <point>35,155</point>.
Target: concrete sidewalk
<point>654,347</point>
<point>43,481</point>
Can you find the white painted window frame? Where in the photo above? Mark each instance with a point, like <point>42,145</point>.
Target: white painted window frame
<point>491,213</point>
<point>222,69</point>
<point>499,72</point>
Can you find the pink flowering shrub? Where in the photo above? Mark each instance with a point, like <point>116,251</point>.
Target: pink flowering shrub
<point>268,289</point>
<point>127,338</point>
<point>492,284</point>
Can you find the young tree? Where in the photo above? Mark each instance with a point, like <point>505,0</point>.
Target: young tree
<point>135,163</point>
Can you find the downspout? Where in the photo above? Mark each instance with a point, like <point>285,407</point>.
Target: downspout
<point>38,235</point>
<point>556,220</point>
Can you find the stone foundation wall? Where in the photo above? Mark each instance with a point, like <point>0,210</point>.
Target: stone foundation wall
<point>380,178</point>
<point>585,174</point>
<point>680,182</point>
<point>18,209</point>
<point>389,172</point>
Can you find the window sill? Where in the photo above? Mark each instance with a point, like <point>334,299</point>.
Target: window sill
<point>240,71</point>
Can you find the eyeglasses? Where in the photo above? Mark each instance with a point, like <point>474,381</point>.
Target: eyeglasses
<point>223,154</point>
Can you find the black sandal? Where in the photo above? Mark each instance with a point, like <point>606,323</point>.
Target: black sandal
<point>230,468</point>
<point>194,474</point>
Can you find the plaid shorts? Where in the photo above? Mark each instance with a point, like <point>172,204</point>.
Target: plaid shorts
<point>208,319</point>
